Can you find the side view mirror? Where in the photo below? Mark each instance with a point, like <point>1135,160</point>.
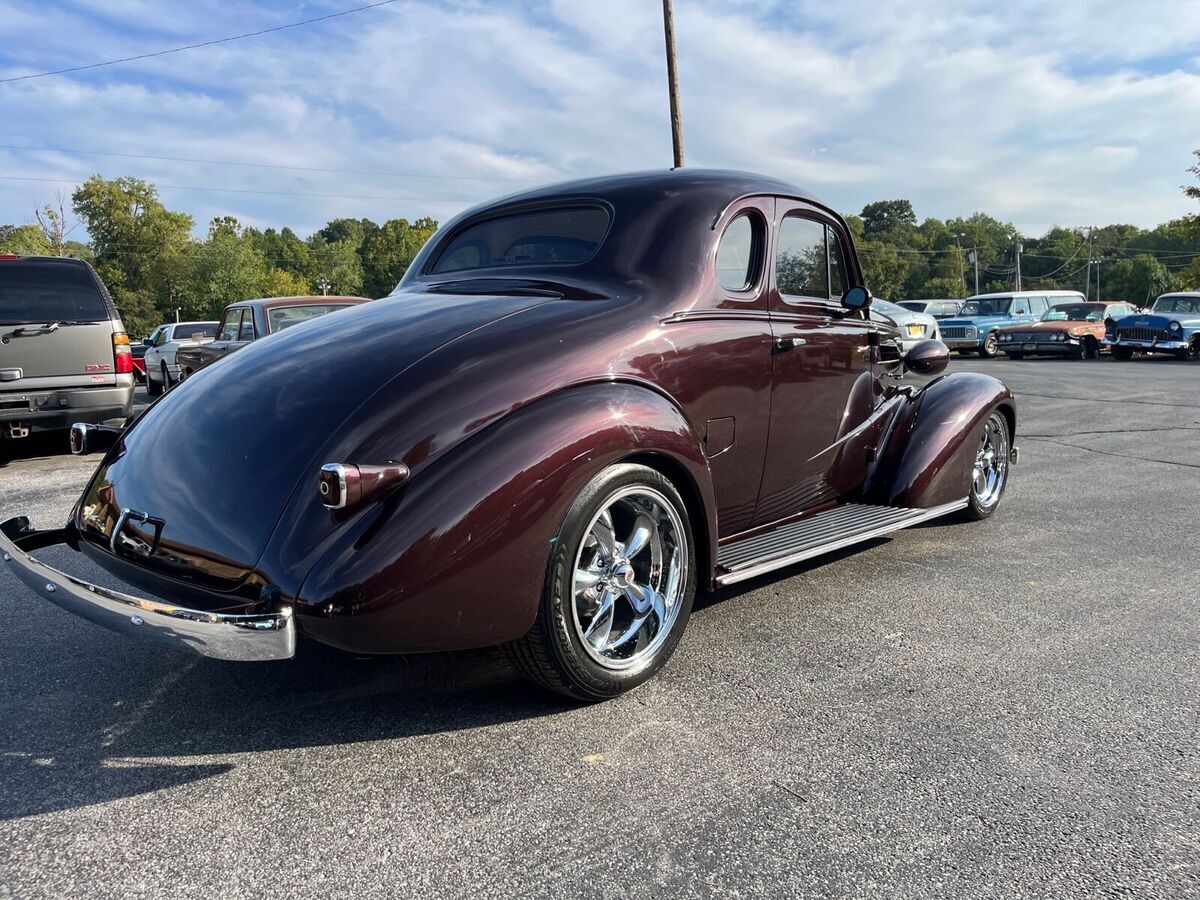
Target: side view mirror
<point>927,358</point>
<point>146,342</point>
<point>856,298</point>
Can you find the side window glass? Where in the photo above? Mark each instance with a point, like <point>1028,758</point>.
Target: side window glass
<point>802,260</point>
<point>229,325</point>
<point>837,266</point>
<point>736,264</point>
<point>1020,306</point>
<point>246,332</point>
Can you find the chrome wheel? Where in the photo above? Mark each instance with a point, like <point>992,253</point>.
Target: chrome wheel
<point>629,578</point>
<point>991,462</point>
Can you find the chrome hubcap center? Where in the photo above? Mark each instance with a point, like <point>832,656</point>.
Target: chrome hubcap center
<point>622,575</point>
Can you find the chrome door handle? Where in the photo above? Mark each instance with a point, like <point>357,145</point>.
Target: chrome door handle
<point>787,343</point>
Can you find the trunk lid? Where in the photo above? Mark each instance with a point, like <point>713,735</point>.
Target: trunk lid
<point>214,463</point>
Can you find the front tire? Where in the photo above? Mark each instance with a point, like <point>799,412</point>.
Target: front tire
<point>990,475</point>
<point>619,588</point>
<point>989,348</point>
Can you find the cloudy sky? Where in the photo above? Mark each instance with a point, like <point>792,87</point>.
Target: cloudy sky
<point>1071,113</point>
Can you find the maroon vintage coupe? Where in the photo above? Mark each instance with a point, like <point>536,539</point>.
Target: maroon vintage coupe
<point>581,403</point>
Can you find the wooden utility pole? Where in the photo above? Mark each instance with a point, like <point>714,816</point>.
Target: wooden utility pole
<point>673,83</point>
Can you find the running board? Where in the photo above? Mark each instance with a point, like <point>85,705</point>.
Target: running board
<point>825,532</point>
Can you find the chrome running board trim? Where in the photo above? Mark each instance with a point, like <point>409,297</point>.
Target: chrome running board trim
<point>825,532</point>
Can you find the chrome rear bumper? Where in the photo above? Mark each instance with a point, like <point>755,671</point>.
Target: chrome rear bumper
<point>250,638</point>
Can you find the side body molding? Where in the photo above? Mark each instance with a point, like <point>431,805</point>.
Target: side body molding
<point>457,558</point>
<point>928,455</point>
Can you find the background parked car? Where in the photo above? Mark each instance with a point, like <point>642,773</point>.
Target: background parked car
<point>1171,326</point>
<point>939,309</point>
<point>163,345</point>
<point>249,320</point>
<point>137,350</point>
<point>973,329</point>
<point>914,326</point>
<point>1067,329</point>
<point>64,354</point>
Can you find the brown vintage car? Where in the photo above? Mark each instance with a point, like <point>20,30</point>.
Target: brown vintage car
<point>1068,329</point>
<point>580,405</point>
<point>249,320</point>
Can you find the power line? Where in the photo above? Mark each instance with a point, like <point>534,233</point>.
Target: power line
<point>224,40</point>
<point>223,162</point>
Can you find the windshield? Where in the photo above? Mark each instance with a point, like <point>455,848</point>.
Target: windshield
<point>544,236</point>
<point>913,305</point>
<point>1074,312</point>
<point>48,292</point>
<point>282,317</point>
<point>990,306</point>
<point>887,308</point>
<point>1177,304</point>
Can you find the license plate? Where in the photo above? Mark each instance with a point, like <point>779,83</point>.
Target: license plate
<point>1030,348</point>
<point>916,330</point>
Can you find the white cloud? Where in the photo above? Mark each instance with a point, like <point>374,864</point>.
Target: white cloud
<point>1074,113</point>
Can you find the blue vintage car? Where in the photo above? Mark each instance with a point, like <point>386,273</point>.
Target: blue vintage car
<point>1172,326</point>
<point>973,329</point>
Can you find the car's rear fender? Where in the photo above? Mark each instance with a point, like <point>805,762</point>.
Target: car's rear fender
<point>457,557</point>
<point>927,458</point>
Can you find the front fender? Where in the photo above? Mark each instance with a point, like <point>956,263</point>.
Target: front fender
<point>928,456</point>
<point>457,559</point>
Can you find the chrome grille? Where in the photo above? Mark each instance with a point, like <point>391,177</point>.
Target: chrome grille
<point>1023,336</point>
<point>1142,334</point>
<point>959,332</point>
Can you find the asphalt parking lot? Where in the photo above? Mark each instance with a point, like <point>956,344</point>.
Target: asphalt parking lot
<point>1007,708</point>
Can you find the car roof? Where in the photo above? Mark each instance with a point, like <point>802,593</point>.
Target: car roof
<point>1179,294</point>
<point>272,302</point>
<point>722,183</point>
<point>1025,294</point>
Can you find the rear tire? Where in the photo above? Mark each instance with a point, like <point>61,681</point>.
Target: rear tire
<point>592,587</point>
<point>990,475</point>
<point>153,388</point>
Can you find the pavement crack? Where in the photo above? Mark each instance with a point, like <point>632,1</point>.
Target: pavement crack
<point>1150,459</point>
<point>1024,393</point>
<point>1116,431</point>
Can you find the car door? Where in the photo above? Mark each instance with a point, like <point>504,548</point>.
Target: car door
<point>228,333</point>
<point>723,380</point>
<point>822,379</point>
<point>153,355</point>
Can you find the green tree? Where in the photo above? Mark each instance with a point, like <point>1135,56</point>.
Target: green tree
<point>890,220</point>
<point>131,231</point>
<point>284,250</point>
<point>388,252</point>
<point>1138,280</point>
<point>339,267</point>
<point>24,240</point>
<point>942,288</point>
<point>224,269</point>
<point>884,269</point>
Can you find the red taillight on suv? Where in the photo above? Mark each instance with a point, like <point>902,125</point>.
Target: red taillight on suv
<point>122,355</point>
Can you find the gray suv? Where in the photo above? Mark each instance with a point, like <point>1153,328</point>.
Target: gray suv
<point>64,354</point>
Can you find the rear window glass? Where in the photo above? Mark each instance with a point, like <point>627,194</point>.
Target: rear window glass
<point>547,236</point>
<point>186,332</point>
<point>282,317</point>
<point>989,306</point>
<point>41,292</point>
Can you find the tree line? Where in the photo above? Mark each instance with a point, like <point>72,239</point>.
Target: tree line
<point>153,265</point>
